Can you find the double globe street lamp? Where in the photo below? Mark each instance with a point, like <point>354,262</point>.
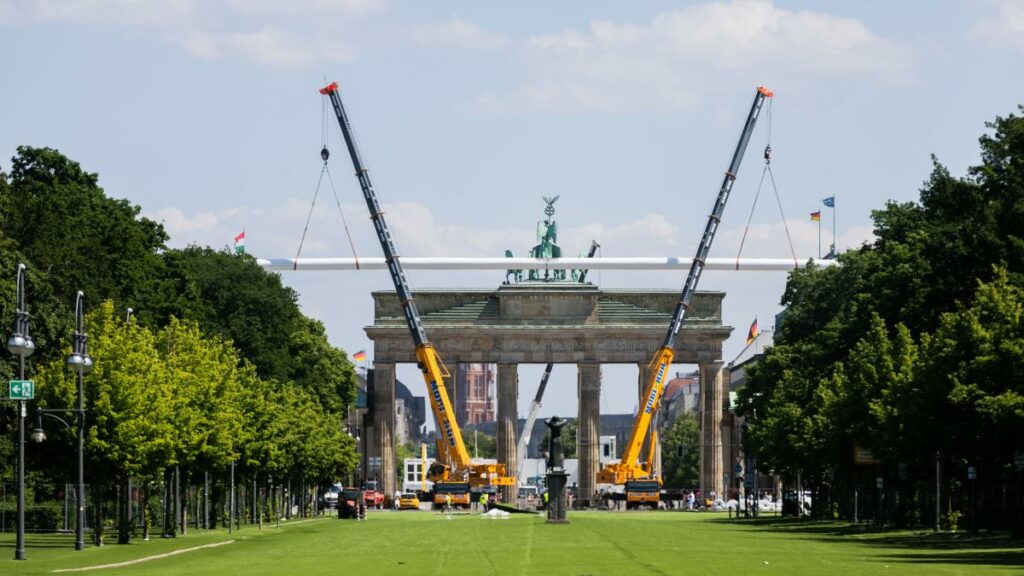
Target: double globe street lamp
<point>82,364</point>
<point>21,345</point>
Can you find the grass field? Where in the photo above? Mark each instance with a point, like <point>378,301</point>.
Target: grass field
<point>593,544</point>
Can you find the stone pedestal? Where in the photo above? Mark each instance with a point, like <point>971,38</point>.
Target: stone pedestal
<point>557,502</point>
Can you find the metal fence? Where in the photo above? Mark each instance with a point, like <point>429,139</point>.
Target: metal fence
<point>48,507</point>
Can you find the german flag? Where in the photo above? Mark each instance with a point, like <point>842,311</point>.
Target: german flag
<point>816,216</point>
<point>752,335</point>
<point>359,356</point>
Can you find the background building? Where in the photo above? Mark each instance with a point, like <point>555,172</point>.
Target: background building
<point>474,393</point>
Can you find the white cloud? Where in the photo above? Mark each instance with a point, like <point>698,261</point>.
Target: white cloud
<point>261,32</point>
<point>175,221</point>
<point>293,7</point>
<point>117,12</point>
<point>275,232</point>
<point>270,46</point>
<point>459,33</point>
<point>668,62</point>
<point>1003,27</point>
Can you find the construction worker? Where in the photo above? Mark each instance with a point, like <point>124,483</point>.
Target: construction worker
<point>546,499</point>
<point>447,503</point>
<point>483,502</point>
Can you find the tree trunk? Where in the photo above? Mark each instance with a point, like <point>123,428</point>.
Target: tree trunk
<point>144,510</point>
<point>123,505</point>
<point>97,516</point>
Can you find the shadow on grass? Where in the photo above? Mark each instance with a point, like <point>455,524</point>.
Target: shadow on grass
<point>989,558</point>
<point>40,541</point>
<point>926,547</point>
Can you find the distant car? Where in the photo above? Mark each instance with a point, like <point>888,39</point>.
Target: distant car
<point>409,501</point>
<point>331,496</point>
<point>528,492</point>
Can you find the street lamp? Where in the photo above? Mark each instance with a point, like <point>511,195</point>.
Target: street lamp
<point>82,364</point>
<point>20,344</point>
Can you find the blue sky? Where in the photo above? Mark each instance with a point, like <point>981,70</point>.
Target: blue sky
<point>206,114</point>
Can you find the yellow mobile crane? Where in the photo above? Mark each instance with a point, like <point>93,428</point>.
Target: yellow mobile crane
<point>453,472</point>
<point>642,486</point>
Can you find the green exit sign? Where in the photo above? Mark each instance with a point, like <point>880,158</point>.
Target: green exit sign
<point>21,389</point>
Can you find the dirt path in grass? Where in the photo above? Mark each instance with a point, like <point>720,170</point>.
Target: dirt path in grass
<point>146,559</point>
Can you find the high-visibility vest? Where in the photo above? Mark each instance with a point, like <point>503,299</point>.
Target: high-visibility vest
<point>545,497</point>
<point>483,498</point>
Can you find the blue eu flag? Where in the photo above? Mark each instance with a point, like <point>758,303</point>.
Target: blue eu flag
<point>830,201</point>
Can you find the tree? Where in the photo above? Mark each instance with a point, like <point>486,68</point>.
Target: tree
<point>680,450</point>
<point>231,296</point>
<point>206,404</point>
<point>974,366</point>
<point>63,222</point>
<point>322,369</point>
<point>912,331</point>
<point>130,426</point>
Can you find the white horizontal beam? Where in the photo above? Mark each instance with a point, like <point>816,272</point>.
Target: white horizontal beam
<point>628,263</point>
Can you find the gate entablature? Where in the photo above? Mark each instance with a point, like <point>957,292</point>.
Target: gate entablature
<point>549,322</point>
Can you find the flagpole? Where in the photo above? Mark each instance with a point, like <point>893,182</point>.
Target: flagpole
<point>835,250</point>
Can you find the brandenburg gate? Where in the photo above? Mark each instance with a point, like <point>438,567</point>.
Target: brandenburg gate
<point>561,322</point>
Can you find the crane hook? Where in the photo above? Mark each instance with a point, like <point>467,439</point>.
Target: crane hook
<point>767,154</point>
<point>325,154</point>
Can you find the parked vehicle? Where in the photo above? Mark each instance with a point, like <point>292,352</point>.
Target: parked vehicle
<point>409,501</point>
<point>348,503</point>
<point>459,491</point>
<point>374,497</point>
<point>642,493</point>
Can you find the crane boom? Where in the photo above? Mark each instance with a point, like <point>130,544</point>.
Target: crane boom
<point>458,467</point>
<point>527,432</point>
<point>628,467</point>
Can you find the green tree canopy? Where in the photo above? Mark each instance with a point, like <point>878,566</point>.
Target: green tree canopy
<point>66,226</point>
<point>680,449</point>
<point>916,330</point>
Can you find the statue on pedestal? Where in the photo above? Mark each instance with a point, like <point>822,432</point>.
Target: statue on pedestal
<point>557,477</point>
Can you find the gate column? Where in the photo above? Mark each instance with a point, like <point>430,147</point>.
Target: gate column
<point>382,434</point>
<point>712,393</point>
<point>508,396</point>
<point>588,431</point>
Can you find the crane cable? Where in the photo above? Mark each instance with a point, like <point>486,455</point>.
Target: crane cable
<point>767,171</point>
<point>325,154</point>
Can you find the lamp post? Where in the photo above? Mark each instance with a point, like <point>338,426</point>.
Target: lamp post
<point>20,344</point>
<point>38,434</point>
<point>81,363</point>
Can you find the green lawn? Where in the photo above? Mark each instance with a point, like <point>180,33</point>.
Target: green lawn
<point>593,544</point>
